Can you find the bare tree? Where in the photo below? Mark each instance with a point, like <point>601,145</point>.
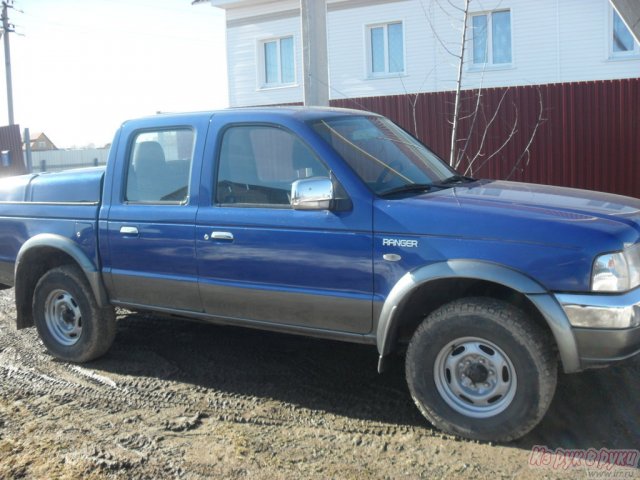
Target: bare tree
<point>456,107</point>
<point>471,152</point>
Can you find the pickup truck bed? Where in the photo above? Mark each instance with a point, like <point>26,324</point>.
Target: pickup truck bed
<point>66,203</point>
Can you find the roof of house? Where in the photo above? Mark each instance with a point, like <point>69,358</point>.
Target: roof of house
<point>39,137</point>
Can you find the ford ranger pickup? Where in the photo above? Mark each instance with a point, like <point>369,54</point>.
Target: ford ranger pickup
<point>335,224</point>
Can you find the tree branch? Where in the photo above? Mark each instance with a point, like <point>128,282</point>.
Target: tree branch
<point>435,33</point>
<point>488,126</point>
<point>526,152</point>
<point>514,129</point>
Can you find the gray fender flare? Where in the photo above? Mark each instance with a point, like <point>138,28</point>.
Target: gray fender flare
<point>544,301</point>
<point>58,242</point>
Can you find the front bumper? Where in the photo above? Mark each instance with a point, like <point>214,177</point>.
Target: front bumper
<point>599,347</point>
<point>606,328</point>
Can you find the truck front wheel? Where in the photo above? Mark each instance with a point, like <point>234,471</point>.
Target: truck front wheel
<point>68,319</point>
<point>480,369</point>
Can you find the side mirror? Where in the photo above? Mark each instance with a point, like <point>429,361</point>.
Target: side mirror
<point>314,193</point>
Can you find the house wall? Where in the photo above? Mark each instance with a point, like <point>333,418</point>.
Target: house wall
<point>243,50</point>
<point>553,41</point>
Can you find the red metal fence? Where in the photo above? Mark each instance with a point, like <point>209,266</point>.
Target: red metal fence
<point>589,136</point>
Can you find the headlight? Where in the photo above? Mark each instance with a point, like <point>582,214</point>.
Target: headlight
<point>617,272</point>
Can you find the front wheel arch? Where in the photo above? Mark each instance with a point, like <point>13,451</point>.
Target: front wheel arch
<point>507,283</point>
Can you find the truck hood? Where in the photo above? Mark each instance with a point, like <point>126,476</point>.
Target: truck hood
<point>516,212</point>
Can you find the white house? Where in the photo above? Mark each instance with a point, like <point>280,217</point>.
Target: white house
<point>391,47</point>
<point>560,97</point>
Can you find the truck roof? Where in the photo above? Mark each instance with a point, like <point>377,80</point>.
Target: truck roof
<point>300,112</point>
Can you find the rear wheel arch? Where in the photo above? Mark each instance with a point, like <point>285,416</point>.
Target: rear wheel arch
<point>45,252</point>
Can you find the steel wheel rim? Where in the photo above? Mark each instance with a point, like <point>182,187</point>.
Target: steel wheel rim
<point>63,317</point>
<point>475,377</point>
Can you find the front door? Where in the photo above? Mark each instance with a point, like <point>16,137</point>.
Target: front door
<point>261,261</point>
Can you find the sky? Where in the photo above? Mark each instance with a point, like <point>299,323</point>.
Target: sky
<point>82,67</point>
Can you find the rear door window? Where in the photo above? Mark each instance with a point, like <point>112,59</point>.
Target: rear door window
<point>159,166</point>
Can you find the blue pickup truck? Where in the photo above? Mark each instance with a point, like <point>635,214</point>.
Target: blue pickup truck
<point>335,224</point>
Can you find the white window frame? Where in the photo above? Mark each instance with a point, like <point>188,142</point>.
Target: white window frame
<point>369,52</point>
<point>613,55</point>
<point>489,61</point>
<point>262,64</point>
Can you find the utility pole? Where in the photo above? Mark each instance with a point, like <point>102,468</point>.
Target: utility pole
<point>6,30</point>
<point>315,71</point>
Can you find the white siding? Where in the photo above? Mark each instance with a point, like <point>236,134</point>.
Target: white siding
<point>265,8</point>
<point>347,40</point>
<point>552,41</point>
<point>585,45</point>
<point>244,51</point>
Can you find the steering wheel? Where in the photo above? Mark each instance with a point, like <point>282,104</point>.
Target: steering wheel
<point>393,167</point>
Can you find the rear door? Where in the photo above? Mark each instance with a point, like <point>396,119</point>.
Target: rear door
<point>150,231</point>
<point>261,261</point>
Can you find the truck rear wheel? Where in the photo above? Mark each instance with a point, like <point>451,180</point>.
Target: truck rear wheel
<point>68,319</point>
<point>480,369</point>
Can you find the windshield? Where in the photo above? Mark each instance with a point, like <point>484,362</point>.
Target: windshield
<point>383,155</point>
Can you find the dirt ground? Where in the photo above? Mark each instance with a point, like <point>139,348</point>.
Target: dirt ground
<point>177,399</point>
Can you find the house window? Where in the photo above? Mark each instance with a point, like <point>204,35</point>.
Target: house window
<point>278,62</point>
<point>622,42</point>
<point>385,49</point>
<point>491,37</point>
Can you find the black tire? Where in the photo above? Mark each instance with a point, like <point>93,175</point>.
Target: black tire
<point>445,345</point>
<point>68,319</point>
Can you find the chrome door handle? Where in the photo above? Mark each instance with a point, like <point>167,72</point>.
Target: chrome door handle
<point>228,236</point>
<point>128,230</point>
